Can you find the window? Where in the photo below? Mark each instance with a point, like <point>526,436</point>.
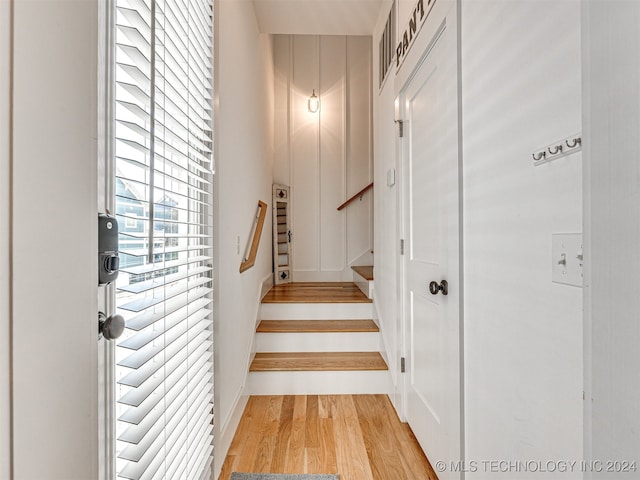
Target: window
<point>163,147</point>
<point>386,46</point>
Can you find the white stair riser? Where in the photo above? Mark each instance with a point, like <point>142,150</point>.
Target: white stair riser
<point>318,342</point>
<point>319,383</point>
<point>365,286</point>
<point>315,311</point>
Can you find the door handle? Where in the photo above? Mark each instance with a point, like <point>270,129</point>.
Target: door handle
<point>110,327</point>
<point>443,287</point>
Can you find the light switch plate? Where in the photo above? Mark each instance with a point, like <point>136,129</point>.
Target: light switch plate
<point>391,177</point>
<point>567,259</point>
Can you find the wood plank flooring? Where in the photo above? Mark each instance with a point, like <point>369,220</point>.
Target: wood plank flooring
<point>316,326</point>
<point>316,361</point>
<point>358,437</point>
<point>316,292</point>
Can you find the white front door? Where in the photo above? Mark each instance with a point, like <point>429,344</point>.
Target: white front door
<point>429,110</point>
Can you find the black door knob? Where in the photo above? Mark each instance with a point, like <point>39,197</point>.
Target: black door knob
<point>110,327</point>
<point>443,287</point>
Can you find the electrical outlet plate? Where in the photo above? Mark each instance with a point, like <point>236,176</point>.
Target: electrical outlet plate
<point>567,259</point>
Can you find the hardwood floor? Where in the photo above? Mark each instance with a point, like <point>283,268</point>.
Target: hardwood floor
<point>357,436</point>
<point>316,292</point>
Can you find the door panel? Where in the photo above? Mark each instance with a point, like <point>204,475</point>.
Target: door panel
<point>424,203</point>
<point>282,260</point>
<point>426,352</point>
<point>429,150</point>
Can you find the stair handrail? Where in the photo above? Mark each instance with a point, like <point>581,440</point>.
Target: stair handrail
<point>357,195</point>
<point>251,252</point>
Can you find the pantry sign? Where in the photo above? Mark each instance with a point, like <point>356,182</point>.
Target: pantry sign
<point>417,18</point>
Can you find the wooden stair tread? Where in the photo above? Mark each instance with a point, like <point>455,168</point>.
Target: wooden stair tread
<point>317,361</point>
<point>365,272</point>
<point>316,292</point>
<point>316,326</point>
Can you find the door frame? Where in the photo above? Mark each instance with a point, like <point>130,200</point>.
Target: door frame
<point>446,12</point>
<point>106,202</point>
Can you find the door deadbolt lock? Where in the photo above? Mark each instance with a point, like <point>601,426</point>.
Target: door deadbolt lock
<point>443,287</point>
<point>108,259</point>
<point>110,327</point>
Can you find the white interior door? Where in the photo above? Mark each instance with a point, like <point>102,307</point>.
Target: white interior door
<point>429,109</point>
<point>281,234</point>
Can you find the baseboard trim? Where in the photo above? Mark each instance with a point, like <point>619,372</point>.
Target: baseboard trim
<point>229,426</point>
<point>267,283</point>
<point>227,432</point>
<point>391,362</point>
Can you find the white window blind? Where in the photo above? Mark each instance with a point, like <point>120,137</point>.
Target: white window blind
<point>163,148</point>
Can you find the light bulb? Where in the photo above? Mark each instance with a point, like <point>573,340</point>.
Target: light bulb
<point>313,104</point>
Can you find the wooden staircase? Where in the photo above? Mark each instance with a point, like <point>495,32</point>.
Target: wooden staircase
<point>317,338</point>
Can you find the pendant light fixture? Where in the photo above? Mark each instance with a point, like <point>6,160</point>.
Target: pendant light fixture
<point>313,104</point>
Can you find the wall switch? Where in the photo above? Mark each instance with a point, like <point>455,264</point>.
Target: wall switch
<point>391,177</point>
<point>237,244</point>
<point>566,258</point>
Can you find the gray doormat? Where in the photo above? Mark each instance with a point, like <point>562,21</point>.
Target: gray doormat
<point>280,476</point>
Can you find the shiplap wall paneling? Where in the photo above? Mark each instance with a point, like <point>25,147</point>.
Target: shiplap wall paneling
<point>359,154</point>
<point>282,108</point>
<point>303,137</point>
<point>332,146</point>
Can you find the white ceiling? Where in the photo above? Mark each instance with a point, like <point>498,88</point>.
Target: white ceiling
<point>317,17</point>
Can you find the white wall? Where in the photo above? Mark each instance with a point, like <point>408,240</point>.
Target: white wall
<point>386,247</point>
<point>523,334</point>
<point>5,235</point>
<point>54,240</point>
<point>611,49</point>
<point>244,141</point>
<point>325,157</point>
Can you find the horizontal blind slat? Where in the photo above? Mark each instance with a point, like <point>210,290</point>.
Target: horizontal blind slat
<point>139,340</point>
<point>145,319</point>
<point>161,250</point>
<point>135,433</point>
<point>172,413</point>
<point>174,382</point>
<point>180,332</point>
<point>204,443</point>
<point>138,58</point>
<point>206,458</point>
<point>136,396</point>
<point>151,267</point>
<point>177,351</point>
<point>134,72</point>
<point>162,281</point>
